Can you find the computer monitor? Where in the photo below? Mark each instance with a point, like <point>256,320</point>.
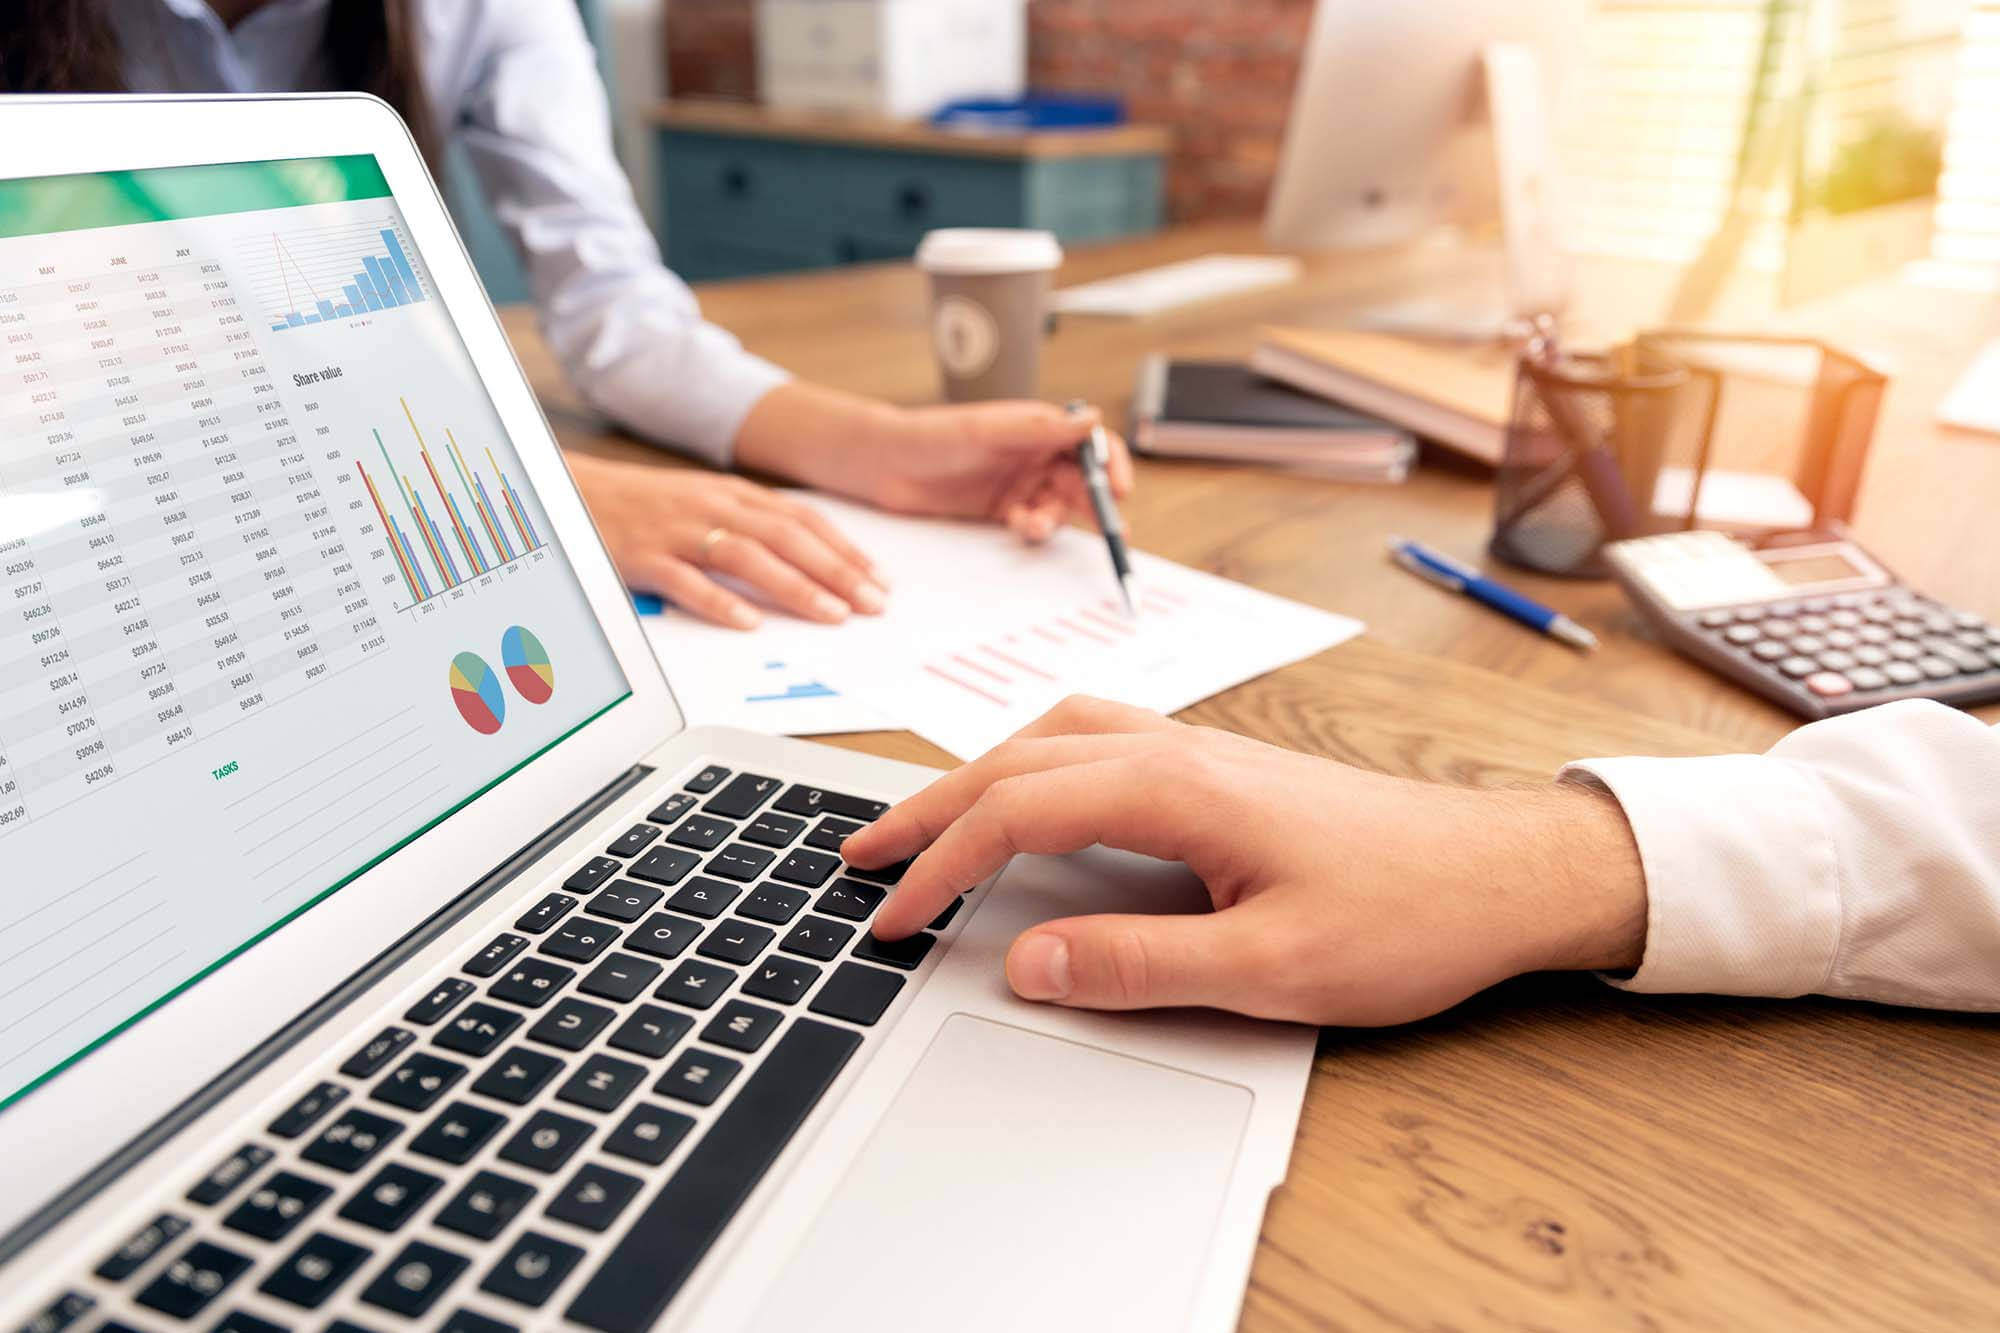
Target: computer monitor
<point>1413,117</point>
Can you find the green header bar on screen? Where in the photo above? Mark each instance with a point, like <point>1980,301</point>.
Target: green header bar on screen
<point>37,205</point>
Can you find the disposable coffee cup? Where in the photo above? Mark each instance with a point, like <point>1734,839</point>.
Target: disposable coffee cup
<point>989,295</point>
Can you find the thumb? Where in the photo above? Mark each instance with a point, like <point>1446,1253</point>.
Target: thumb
<point>1028,426</point>
<point>1137,962</point>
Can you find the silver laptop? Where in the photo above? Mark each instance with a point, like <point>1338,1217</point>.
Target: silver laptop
<point>379,949</point>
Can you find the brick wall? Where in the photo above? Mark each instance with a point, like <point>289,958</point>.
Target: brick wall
<point>1219,72</point>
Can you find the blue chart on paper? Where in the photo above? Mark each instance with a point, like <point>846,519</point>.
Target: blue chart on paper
<point>809,689</point>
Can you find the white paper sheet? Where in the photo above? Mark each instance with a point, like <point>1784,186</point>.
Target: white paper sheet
<point>984,633</point>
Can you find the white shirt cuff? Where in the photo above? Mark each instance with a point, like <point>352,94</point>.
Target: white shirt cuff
<point>1742,874</point>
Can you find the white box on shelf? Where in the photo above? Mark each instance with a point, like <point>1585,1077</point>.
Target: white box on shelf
<point>902,58</point>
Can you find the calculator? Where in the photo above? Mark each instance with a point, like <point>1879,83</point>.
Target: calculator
<point>1811,622</point>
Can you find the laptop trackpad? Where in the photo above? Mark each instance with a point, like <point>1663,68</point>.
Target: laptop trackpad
<point>1044,1184</point>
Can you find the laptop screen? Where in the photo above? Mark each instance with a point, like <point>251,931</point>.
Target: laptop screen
<point>275,595</point>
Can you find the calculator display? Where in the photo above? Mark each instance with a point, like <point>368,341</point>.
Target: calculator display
<point>1815,569</point>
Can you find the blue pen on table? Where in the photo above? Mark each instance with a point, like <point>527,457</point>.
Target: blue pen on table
<point>1449,574</point>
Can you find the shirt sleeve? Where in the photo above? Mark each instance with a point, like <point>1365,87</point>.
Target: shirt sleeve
<point>534,121</point>
<point>1859,857</point>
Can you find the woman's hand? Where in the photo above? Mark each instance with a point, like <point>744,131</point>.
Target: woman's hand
<point>1340,896</point>
<point>1011,462</point>
<point>671,531</point>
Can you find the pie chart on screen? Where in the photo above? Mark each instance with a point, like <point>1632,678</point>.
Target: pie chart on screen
<point>475,688</point>
<point>527,665</point>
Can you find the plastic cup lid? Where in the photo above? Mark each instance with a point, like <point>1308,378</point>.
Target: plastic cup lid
<point>974,250</point>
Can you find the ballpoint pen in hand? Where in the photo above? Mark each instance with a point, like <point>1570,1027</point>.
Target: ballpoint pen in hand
<point>1447,573</point>
<point>1093,455</point>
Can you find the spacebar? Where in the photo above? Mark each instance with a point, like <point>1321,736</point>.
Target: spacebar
<point>654,1259</point>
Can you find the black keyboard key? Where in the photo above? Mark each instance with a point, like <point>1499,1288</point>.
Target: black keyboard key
<point>742,1027</point>
<point>412,1281</point>
<point>191,1281</point>
<point>517,1076</point>
<point>670,1236</point>
<point>773,830</point>
<point>459,1131</point>
<point>373,1058</point>
<point>531,1270</point>
<point>580,940</point>
<point>488,961</point>
<point>704,897</point>
<point>545,913</point>
<point>904,953</point>
<point>889,874</point>
<point>634,840</point>
<point>391,1198</point>
<point>304,1113</point>
<point>442,999</point>
<point>698,1077</point>
<point>624,901</point>
<point>943,918</point>
<point>230,1172</point>
<point>707,780</point>
<point>780,978</point>
<point>141,1246</point>
<point>314,1271</point>
<point>531,982</point>
<point>274,1208</point>
<point>702,832</point>
<point>63,1312</point>
<point>346,1326</point>
<point>649,1134</point>
<point>242,1321</point>
<point>806,867</point>
<point>740,861</point>
<point>828,834</point>
<point>592,875</point>
<point>418,1082</point>
<point>735,941</point>
<point>620,977</point>
<point>477,1029</point>
<point>348,1143</point>
<point>773,903</point>
<point>815,801</point>
<point>695,984</point>
<point>665,865</point>
<point>851,899</point>
<point>744,795</point>
<point>546,1141</point>
<point>651,1031</point>
<point>602,1082</point>
<point>858,994</point>
<point>469,1321</point>
<point>485,1206</point>
<point>571,1024</point>
<point>594,1197</point>
<point>672,808</point>
<point>663,935</point>
<point>817,937</point>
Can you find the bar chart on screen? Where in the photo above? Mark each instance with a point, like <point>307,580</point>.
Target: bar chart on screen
<point>316,275</point>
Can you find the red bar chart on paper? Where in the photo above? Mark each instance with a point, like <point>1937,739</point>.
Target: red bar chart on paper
<point>445,526</point>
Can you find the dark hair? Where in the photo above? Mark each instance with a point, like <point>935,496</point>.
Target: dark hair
<point>69,46</point>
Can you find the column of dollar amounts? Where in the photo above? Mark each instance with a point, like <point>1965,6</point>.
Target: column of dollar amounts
<point>441,536</point>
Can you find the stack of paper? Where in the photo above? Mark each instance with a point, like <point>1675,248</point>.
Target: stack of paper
<point>982,635</point>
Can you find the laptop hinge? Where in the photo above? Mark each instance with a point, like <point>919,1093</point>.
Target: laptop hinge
<point>327,1008</point>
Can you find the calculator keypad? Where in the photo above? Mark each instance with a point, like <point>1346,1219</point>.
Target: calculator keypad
<point>1853,645</point>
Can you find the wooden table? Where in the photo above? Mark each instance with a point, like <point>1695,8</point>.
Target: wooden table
<point>1552,1154</point>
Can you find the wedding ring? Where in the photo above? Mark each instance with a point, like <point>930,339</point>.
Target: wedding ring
<point>710,539</point>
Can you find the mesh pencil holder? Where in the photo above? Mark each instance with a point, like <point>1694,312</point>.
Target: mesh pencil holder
<point>1585,443</point>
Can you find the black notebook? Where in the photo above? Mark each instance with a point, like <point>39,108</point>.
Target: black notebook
<point>1223,410</point>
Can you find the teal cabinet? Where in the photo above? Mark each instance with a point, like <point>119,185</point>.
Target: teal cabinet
<point>735,205</point>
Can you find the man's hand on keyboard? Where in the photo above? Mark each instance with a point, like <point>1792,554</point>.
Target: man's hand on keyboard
<point>1341,896</point>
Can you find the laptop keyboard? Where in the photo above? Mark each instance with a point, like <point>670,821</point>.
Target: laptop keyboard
<point>623,1064</point>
